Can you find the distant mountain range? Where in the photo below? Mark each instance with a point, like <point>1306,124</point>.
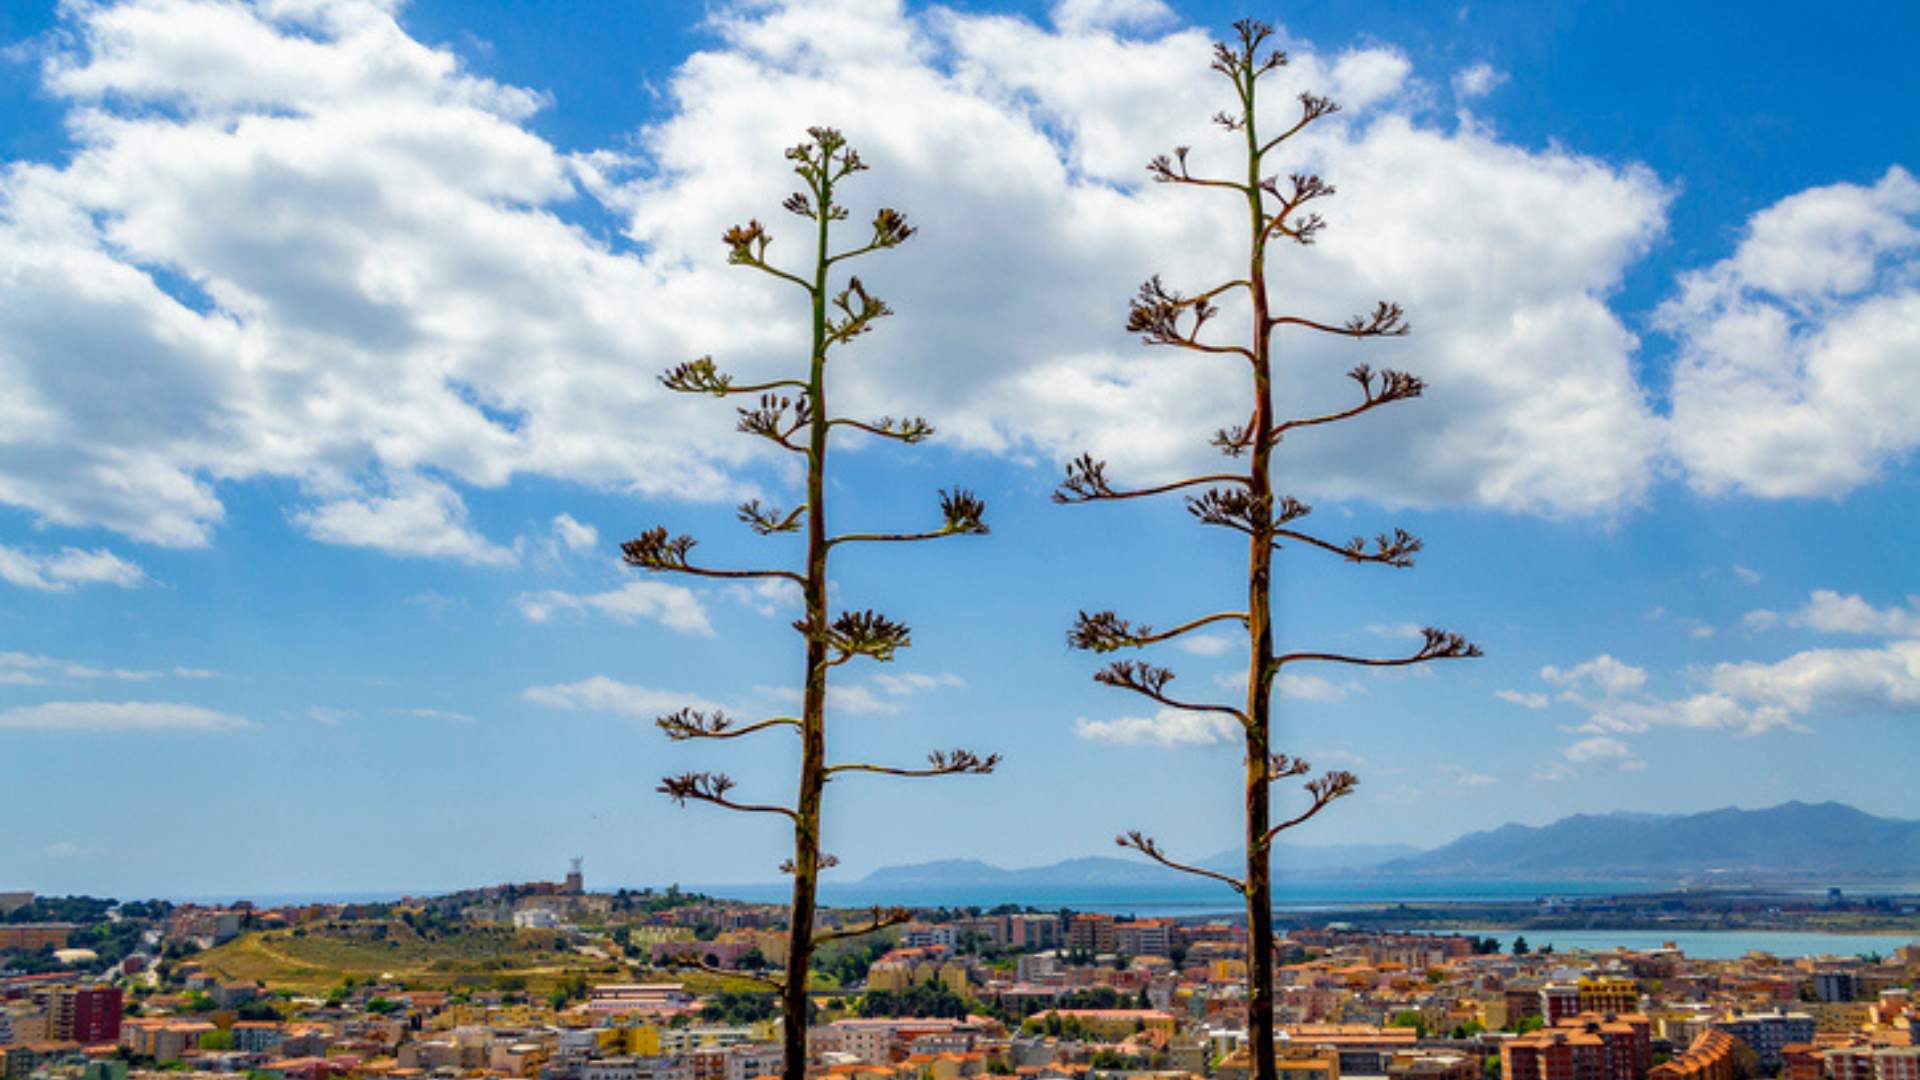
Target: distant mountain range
<point>1792,840</point>
<point>1106,870</point>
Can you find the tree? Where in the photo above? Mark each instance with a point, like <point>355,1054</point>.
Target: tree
<point>1246,502</point>
<point>792,413</point>
<point>1520,946</point>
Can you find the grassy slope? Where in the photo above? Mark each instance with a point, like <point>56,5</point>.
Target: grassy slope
<point>323,957</point>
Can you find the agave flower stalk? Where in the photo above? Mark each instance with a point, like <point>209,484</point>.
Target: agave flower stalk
<point>1244,501</point>
<point>792,414</point>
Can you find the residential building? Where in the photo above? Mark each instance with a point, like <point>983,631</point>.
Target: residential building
<point>1769,1033</point>
<point>1710,1057</point>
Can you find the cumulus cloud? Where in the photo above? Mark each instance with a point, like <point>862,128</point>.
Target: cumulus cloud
<point>673,606</point>
<point>1477,81</point>
<point>1604,750</point>
<point>1168,727</point>
<point>1831,613</point>
<point>397,307</point>
<point>574,535</point>
<point>1797,373</point>
<point>417,517</point>
<point>103,716</point>
<point>1602,673</point>
<point>601,694</point>
<point>393,310</point>
<point>1080,16</point>
<point>59,571</point>
<point>1754,697</point>
<point>1526,699</point>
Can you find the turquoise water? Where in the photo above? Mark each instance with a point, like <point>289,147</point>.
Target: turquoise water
<point>1710,944</point>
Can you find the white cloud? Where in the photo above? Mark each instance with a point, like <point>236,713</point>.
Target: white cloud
<point>1461,776</point>
<point>1477,81</point>
<point>1755,697</point>
<point>1168,727</point>
<point>1605,750</point>
<point>390,311</point>
<point>1831,613</point>
<point>118,716</point>
<point>600,694</point>
<point>194,673</point>
<point>1289,685</point>
<point>1204,644</point>
<point>27,669</point>
<point>1524,699</point>
<point>574,535</point>
<point>1406,630</point>
<point>673,606</point>
<point>767,596</point>
<point>331,717</point>
<point>70,566</point>
<point>1746,574</point>
<point>1603,673</point>
<point>915,682</point>
<point>1799,368</point>
<point>1081,16</point>
<point>417,517</point>
<point>440,714</point>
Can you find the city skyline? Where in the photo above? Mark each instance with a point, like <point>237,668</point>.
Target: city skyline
<point>331,332</point>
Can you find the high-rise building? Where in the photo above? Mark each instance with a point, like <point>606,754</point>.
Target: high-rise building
<point>1835,985</point>
<point>86,1015</point>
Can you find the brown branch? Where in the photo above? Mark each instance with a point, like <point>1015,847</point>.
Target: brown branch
<point>1325,789</point>
<point>1312,108</point>
<point>1393,386</point>
<point>1145,845</point>
<point>880,919</point>
<point>767,520</point>
<point>858,320</point>
<point>1107,632</point>
<point>702,376</point>
<point>1150,681</point>
<point>713,788</point>
<point>1240,511</point>
<point>1439,645</point>
<point>1087,482</point>
<point>747,246</point>
<point>695,724</point>
<point>862,633</point>
<point>769,420</point>
<point>1396,550</point>
<point>911,429</point>
<point>960,508</point>
<point>652,550</point>
<point>1173,170</point>
<point>890,229</point>
<point>1386,320</point>
<point>941,763</point>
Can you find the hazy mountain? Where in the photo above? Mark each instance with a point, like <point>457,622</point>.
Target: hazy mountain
<point>1106,870</point>
<point>1792,839</point>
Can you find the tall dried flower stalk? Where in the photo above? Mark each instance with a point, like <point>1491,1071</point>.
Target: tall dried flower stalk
<point>792,414</point>
<point>1277,210</point>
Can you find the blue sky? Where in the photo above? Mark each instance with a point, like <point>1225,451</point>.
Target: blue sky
<point>328,334</point>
